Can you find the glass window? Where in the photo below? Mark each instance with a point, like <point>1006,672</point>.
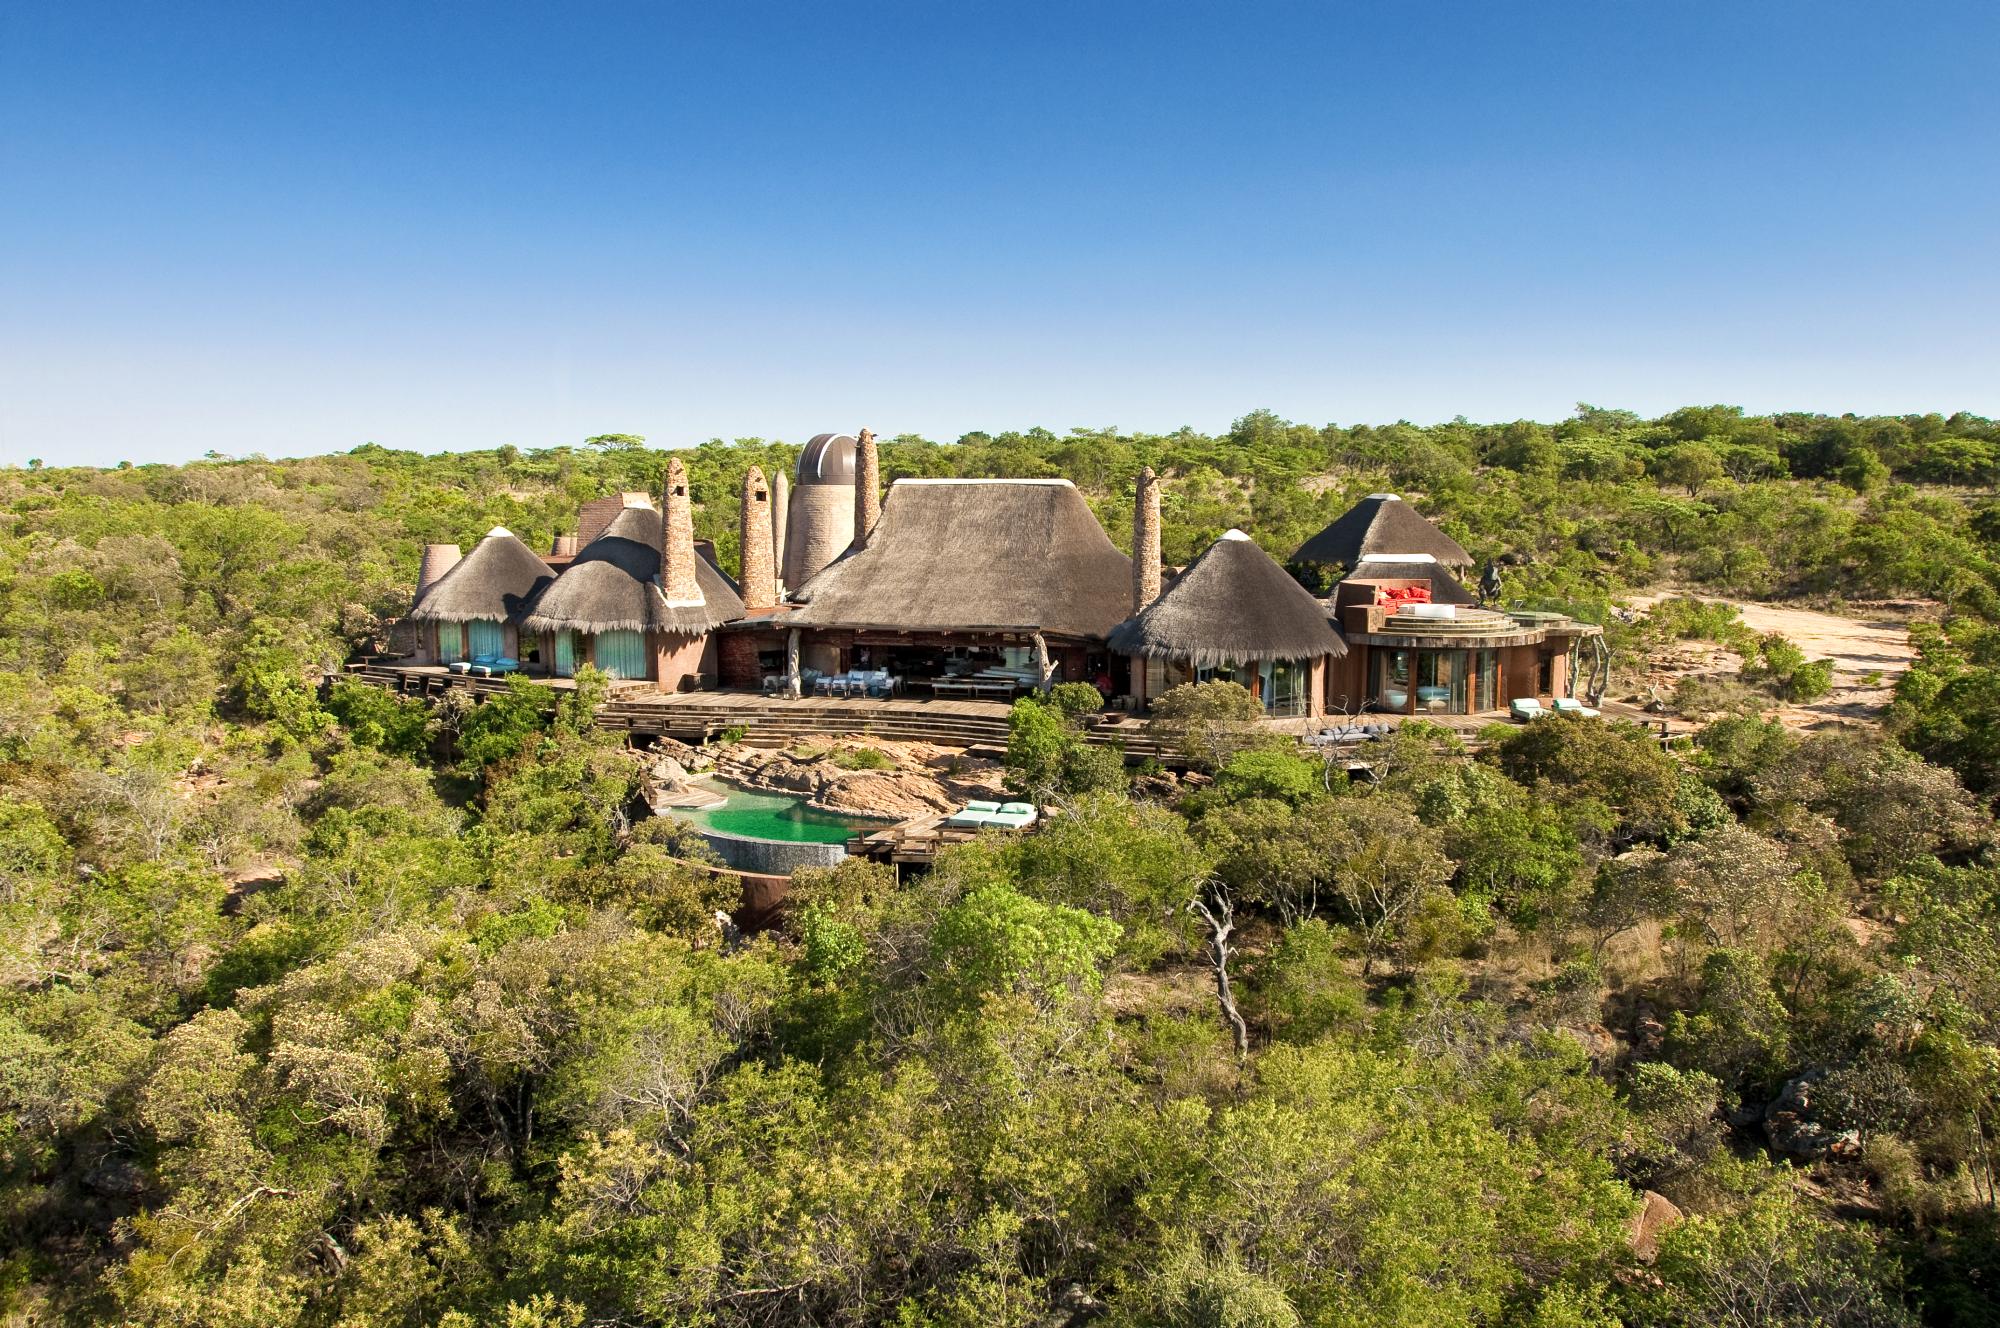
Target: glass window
<point>1435,670</point>
<point>1392,678</point>
<point>1489,680</point>
<point>1285,686</point>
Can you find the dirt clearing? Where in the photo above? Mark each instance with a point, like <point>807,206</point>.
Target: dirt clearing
<point>1868,653</point>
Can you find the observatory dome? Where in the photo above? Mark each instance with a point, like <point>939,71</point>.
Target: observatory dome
<point>827,459</point>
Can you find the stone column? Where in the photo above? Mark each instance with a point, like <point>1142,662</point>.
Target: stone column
<point>759,578</point>
<point>867,488</point>
<point>792,680</point>
<point>781,515</point>
<point>677,555</point>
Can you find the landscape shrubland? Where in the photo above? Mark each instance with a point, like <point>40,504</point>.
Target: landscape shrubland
<point>323,1007</point>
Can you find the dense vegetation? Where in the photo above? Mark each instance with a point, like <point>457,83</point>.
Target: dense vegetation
<point>321,1008</point>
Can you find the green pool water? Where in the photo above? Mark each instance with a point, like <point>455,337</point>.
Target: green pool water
<point>771,816</point>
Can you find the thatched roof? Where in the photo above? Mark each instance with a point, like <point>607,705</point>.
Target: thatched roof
<point>495,582</point>
<point>614,586</point>
<point>1232,604</point>
<point>1384,525</point>
<point>971,555</point>
<point>1445,588</point>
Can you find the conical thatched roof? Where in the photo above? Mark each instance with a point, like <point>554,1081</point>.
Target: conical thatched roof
<point>1232,604</point>
<point>614,586</point>
<point>1445,588</point>
<point>495,582</point>
<point>968,555</point>
<point>1384,525</point>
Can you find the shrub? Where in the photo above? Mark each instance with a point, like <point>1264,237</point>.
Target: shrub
<point>1208,719</point>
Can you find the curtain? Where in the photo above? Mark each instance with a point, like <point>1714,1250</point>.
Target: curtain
<point>622,654</point>
<point>565,654</point>
<point>486,638</point>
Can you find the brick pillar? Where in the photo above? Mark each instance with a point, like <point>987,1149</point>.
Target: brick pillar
<point>781,514</point>
<point>758,580</point>
<point>677,581</point>
<point>1146,541</point>
<point>867,488</point>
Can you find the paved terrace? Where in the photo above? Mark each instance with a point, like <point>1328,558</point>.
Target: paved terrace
<point>642,708</point>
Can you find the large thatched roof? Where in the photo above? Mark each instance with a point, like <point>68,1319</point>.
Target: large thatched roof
<point>1232,605</point>
<point>614,586</point>
<point>495,582</point>
<point>967,555</point>
<point>1445,588</point>
<point>1383,525</point>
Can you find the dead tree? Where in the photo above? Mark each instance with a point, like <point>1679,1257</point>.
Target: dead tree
<point>1218,913</point>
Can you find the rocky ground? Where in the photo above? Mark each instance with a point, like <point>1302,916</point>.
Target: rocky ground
<point>1868,654</point>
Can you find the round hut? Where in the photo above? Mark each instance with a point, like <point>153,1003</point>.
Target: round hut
<point>1234,615</point>
<point>821,522</point>
<point>608,609</point>
<point>475,609</point>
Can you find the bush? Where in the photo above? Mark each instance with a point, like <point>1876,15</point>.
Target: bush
<point>864,758</point>
<point>1075,700</point>
<point>1780,665</point>
<point>1209,720</point>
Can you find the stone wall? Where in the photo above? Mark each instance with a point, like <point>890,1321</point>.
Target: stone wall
<point>772,857</point>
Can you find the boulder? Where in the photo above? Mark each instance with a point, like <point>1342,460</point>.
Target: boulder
<point>1656,1214</point>
<point>1791,1130</point>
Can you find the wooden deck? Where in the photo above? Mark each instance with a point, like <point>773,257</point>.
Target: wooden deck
<point>914,843</point>
<point>641,708</point>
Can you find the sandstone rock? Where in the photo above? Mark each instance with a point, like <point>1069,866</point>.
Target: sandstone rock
<point>1656,1214</point>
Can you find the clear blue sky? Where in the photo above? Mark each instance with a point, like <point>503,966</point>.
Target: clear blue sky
<point>293,229</point>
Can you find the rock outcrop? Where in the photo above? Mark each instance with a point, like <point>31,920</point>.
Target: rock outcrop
<point>917,780</point>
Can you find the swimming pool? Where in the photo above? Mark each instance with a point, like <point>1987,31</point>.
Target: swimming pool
<point>785,817</point>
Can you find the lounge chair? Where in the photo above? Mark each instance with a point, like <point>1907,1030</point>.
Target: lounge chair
<point>1525,708</point>
<point>494,666</point>
<point>1013,816</point>
<point>974,815</point>
<point>1569,705</point>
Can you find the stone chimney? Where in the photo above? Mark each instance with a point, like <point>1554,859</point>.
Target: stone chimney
<point>758,581</point>
<point>1146,541</point>
<point>677,582</point>
<point>867,488</point>
<point>781,512</point>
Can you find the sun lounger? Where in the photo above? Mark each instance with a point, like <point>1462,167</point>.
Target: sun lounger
<point>1526,708</point>
<point>1569,705</point>
<point>494,666</point>
<point>974,815</point>
<point>1013,816</point>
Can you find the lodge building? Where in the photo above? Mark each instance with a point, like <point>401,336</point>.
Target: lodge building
<point>989,587</point>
